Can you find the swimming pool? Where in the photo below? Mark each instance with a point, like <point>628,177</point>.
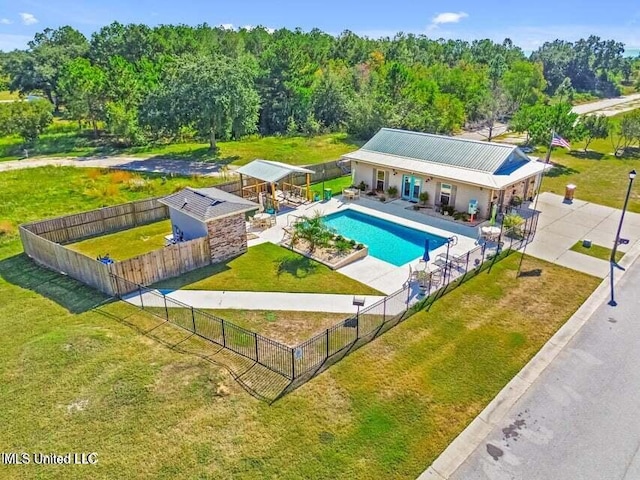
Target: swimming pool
<point>388,241</point>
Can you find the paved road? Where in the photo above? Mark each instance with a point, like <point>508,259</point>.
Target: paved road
<point>607,106</point>
<point>580,419</point>
<point>155,165</point>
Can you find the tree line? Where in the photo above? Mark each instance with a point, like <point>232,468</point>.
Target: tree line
<point>138,84</point>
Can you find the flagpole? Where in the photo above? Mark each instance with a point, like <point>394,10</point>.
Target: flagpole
<point>535,202</point>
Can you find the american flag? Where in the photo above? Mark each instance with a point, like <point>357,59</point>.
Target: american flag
<point>558,141</point>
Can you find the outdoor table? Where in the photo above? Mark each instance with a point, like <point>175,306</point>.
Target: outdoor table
<point>350,193</point>
<point>490,232</point>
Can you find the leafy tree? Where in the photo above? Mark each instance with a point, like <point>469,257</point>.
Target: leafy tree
<point>626,133</point>
<point>214,96</point>
<point>40,67</point>
<point>540,120</point>
<point>26,119</point>
<point>83,87</point>
<point>592,127</point>
<point>330,100</point>
<point>523,83</point>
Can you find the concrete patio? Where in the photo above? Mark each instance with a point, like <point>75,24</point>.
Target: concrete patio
<point>561,225</point>
<point>371,271</point>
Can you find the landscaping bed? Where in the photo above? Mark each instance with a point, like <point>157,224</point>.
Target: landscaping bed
<point>329,255</point>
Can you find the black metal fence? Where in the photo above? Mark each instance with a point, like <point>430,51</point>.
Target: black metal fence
<point>299,364</point>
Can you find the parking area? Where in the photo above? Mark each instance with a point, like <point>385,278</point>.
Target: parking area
<point>563,224</point>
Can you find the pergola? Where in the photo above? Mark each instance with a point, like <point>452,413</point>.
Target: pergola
<point>266,174</point>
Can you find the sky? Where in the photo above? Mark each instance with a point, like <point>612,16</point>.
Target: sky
<point>529,24</point>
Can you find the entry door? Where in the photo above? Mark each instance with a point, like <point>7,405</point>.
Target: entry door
<point>410,188</point>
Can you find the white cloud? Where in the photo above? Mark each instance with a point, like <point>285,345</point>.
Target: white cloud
<point>227,26</point>
<point>270,30</point>
<point>448,17</point>
<point>5,21</point>
<point>248,27</point>
<point>28,18</point>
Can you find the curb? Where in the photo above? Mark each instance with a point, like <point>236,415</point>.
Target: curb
<point>476,432</point>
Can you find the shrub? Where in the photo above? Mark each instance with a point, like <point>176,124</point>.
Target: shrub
<point>464,216</point>
<point>137,184</point>
<point>359,246</point>
<point>363,186</point>
<point>121,176</point>
<point>6,228</point>
<point>512,220</point>
<point>448,209</point>
<point>352,243</point>
<point>342,245</point>
<point>424,197</point>
<point>393,191</point>
<point>516,201</point>
<point>94,174</point>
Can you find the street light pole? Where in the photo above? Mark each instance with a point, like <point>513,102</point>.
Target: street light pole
<point>612,260</point>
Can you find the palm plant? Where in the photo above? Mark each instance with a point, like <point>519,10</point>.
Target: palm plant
<point>313,231</point>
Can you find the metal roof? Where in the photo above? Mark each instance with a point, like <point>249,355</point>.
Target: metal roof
<point>454,151</point>
<point>206,204</point>
<point>269,171</point>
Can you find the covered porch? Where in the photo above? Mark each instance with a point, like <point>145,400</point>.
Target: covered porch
<point>274,184</point>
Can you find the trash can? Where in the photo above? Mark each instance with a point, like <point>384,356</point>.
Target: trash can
<point>327,194</point>
<point>569,191</point>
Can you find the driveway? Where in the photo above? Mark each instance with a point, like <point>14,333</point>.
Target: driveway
<point>561,225</point>
<point>579,419</point>
<point>155,165</point>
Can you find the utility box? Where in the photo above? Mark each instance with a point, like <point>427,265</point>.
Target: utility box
<point>586,243</point>
<point>569,191</point>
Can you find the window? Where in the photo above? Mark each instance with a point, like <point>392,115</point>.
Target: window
<point>445,194</point>
<point>380,176</point>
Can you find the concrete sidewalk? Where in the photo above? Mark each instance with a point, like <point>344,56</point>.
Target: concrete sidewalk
<point>218,300</point>
<point>561,225</point>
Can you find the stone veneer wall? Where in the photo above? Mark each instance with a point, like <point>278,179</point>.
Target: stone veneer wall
<point>227,237</point>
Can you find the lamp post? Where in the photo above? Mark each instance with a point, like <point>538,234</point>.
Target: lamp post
<point>612,260</point>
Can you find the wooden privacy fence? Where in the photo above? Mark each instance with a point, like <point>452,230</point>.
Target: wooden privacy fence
<point>71,228</point>
<point>61,259</point>
<point>167,262</point>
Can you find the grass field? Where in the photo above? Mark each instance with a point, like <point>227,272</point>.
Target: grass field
<point>115,381</point>
<point>290,328</point>
<point>38,193</point>
<point>268,268</point>
<point>600,177</point>
<point>127,243</point>
<point>597,251</point>
<point>63,139</point>
<point>94,381</point>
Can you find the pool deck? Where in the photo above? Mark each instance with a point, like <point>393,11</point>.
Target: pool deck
<point>371,271</point>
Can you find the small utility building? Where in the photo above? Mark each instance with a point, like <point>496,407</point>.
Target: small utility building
<point>212,213</point>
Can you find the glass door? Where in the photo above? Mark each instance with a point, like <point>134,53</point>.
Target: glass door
<point>380,177</point>
<point>415,191</point>
<point>406,187</point>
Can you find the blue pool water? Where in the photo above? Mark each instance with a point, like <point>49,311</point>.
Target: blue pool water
<point>386,240</point>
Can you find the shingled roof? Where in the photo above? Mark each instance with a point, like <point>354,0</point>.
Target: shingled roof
<point>206,204</point>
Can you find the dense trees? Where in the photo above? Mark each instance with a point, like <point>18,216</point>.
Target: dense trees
<point>26,119</point>
<point>139,83</point>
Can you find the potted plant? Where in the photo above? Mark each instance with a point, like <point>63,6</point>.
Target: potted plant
<point>424,198</point>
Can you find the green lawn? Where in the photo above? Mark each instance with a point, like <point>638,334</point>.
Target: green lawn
<point>600,177</point>
<point>127,243</point>
<point>597,251</point>
<point>38,193</point>
<point>63,139</point>
<point>121,383</point>
<point>336,185</point>
<point>268,268</point>
<point>95,379</point>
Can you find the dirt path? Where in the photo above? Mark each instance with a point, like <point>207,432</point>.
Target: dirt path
<point>151,165</point>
